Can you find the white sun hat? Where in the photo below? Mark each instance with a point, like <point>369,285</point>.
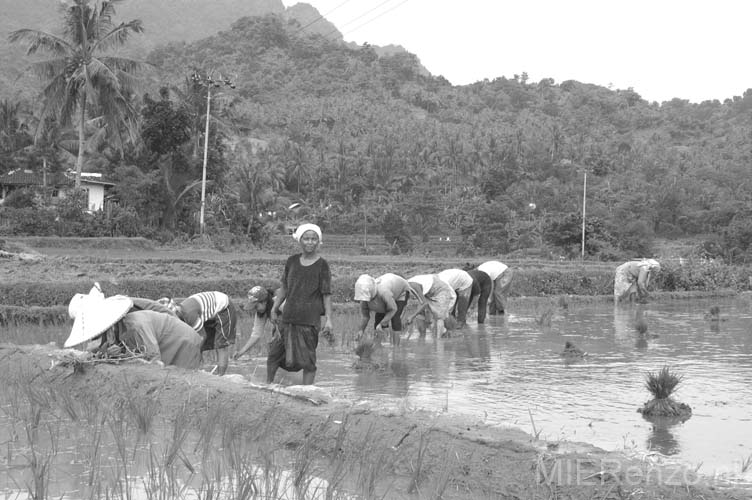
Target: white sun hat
<point>93,314</point>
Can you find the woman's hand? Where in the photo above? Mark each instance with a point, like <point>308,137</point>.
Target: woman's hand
<point>326,331</point>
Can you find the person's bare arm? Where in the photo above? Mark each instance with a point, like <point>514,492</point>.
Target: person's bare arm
<point>642,282</point>
<point>391,310</point>
<point>256,334</point>
<point>328,313</point>
<point>279,298</point>
<point>365,317</point>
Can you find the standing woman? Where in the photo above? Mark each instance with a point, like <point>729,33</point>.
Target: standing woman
<point>306,292</point>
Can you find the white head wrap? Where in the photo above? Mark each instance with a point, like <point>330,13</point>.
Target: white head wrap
<point>652,264</point>
<point>307,227</point>
<point>365,287</point>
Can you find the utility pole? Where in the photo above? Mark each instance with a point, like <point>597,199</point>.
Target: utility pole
<point>209,82</point>
<point>584,200</point>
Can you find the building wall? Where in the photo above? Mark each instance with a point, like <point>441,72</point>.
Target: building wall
<point>96,195</point>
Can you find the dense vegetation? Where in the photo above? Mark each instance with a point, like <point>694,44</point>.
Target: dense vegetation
<point>369,142</point>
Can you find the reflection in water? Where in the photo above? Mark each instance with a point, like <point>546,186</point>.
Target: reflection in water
<point>661,438</point>
<point>641,343</point>
<point>477,349</point>
<point>389,375</point>
<point>510,366</point>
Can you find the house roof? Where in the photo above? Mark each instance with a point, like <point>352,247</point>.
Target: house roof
<point>21,177</point>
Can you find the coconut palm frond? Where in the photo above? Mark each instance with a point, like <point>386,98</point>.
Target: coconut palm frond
<point>41,41</point>
<point>100,75</point>
<point>54,93</point>
<point>49,69</point>
<point>123,65</point>
<point>107,10</point>
<point>76,21</point>
<point>661,384</point>
<point>188,189</point>
<point>68,100</point>
<point>119,35</point>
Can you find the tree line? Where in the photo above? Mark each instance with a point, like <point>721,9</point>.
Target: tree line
<point>359,141</point>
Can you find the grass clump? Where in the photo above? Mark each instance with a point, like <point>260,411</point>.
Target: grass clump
<point>661,385</point>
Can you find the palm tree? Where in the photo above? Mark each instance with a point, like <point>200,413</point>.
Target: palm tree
<point>13,128</point>
<point>258,179</point>
<point>80,76</point>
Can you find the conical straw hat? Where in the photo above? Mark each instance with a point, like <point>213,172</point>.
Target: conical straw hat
<point>94,315</point>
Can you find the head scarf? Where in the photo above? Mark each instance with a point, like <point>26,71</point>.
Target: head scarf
<point>257,294</point>
<point>652,264</point>
<point>307,227</point>
<point>365,287</point>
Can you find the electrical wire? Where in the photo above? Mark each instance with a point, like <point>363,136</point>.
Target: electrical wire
<point>321,16</point>
<point>374,18</point>
<point>337,30</point>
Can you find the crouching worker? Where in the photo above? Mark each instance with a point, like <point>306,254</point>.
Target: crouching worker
<point>260,304</point>
<point>501,276</point>
<point>386,296</point>
<point>215,314</point>
<point>462,284</point>
<point>633,278</point>
<point>436,299</point>
<point>122,330</point>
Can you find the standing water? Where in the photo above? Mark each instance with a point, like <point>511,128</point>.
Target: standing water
<point>510,372</point>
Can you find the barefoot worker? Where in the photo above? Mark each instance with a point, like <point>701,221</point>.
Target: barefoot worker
<point>462,284</point>
<point>632,279</point>
<point>260,305</point>
<point>501,276</point>
<point>436,297</point>
<point>386,296</point>
<point>306,292</point>
<point>482,286</point>
<point>215,314</point>
<point>151,335</point>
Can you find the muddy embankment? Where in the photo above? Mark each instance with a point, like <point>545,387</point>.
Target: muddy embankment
<point>411,454</point>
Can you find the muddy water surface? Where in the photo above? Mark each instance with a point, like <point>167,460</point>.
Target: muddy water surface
<point>510,372</point>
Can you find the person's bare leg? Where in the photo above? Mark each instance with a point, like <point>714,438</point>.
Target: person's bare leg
<point>223,356</point>
<point>308,376</point>
<point>271,371</point>
<point>396,337</point>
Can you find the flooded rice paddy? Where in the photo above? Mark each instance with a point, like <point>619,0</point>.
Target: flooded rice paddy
<point>510,372</point>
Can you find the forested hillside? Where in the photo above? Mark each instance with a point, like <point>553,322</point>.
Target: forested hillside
<point>372,142</point>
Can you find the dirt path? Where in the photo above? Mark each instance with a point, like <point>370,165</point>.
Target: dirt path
<point>429,455</point>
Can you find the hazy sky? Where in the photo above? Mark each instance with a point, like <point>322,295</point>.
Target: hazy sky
<point>691,49</point>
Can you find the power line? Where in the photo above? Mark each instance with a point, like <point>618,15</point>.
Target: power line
<point>365,14</point>
<point>321,16</point>
<point>374,18</point>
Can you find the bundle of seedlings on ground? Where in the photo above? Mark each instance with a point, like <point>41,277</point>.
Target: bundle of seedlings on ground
<point>661,385</point>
